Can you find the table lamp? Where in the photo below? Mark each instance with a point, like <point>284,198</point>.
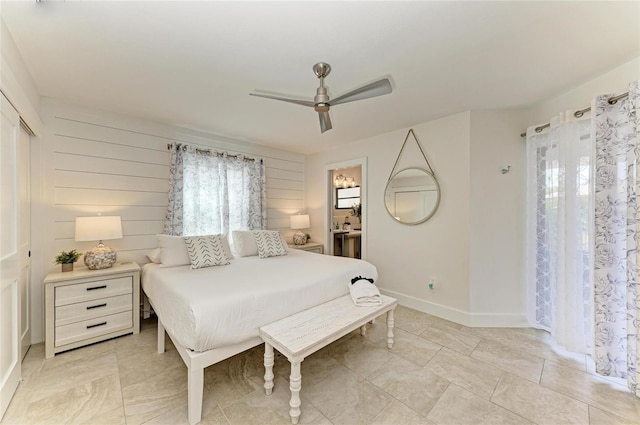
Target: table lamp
<point>99,228</point>
<point>300,221</point>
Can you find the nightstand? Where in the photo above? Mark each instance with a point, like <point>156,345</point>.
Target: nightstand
<point>86,306</point>
<point>309,246</point>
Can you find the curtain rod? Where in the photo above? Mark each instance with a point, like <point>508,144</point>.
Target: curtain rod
<point>184,148</point>
<point>578,114</point>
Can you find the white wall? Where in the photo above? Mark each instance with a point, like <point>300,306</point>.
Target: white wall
<point>99,162</point>
<point>615,81</point>
<point>496,252</point>
<point>16,82</point>
<point>408,256</point>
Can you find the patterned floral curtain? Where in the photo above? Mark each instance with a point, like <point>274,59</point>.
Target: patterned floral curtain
<point>213,193</point>
<point>558,230</point>
<point>617,301</point>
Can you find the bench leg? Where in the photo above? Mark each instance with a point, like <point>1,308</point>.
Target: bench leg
<point>295,384</point>
<point>390,329</point>
<point>363,330</point>
<point>268,368</point>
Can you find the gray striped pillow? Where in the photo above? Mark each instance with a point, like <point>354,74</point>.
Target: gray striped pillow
<point>206,251</point>
<point>269,243</point>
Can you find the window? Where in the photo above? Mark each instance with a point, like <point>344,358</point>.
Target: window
<point>347,197</point>
<point>215,193</point>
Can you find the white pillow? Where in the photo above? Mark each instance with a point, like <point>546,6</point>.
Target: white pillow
<point>154,256</point>
<point>173,251</point>
<point>244,243</point>
<point>227,248</point>
<point>206,251</point>
<point>269,243</point>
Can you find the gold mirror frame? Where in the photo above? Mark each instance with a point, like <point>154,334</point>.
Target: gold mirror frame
<point>428,172</point>
<point>429,213</point>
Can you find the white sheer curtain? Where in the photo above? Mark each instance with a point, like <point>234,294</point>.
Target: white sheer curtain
<point>213,193</point>
<point>559,230</point>
<point>617,222</point>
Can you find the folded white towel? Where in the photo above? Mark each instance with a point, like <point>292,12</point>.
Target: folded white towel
<point>364,293</point>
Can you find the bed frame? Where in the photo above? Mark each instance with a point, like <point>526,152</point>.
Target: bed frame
<point>196,362</point>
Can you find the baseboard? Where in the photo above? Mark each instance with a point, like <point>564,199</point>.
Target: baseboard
<point>458,316</point>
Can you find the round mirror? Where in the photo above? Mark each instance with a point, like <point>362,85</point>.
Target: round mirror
<point>412,195</point>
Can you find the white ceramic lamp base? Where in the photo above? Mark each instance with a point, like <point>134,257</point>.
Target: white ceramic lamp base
<point>100,257</point>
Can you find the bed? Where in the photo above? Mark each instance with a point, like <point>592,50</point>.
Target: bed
<point>214,313</point>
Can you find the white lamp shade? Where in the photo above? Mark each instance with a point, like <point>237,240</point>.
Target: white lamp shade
<point>300,221</point>
<point>98,228</point>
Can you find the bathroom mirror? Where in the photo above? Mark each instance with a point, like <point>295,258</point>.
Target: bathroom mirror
<point>412,195</point>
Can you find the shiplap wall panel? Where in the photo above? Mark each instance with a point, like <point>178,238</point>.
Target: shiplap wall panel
<point>119,167</point>
<point>66,229</point>
<point>128,242</point>
<point>117,198</point>
<point>70,212</point>
<point>285,194</point>
<point>276,173</point>
<point>92,148</point>
<point>92,180</point>
<point>283,212</point>
<point>114,165</point>
<point>89,131</point>
<point>284,184</point>
<point>278,203</point>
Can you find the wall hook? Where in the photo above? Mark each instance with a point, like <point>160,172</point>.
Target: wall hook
<point>506,170</point>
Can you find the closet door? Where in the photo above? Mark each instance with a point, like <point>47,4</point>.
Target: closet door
<point>9,254</point>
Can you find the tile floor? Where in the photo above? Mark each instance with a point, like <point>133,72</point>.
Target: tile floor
<point>438,372</point>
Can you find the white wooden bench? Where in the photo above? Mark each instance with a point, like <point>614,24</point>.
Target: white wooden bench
<point>304,333</point>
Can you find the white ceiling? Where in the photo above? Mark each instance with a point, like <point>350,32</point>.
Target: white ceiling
<point>193,64</point>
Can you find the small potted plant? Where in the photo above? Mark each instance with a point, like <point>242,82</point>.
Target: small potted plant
<point>67,259</point>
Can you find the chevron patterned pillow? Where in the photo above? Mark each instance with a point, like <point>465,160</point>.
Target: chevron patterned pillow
<point>269,243</point>
<point>206,251</point>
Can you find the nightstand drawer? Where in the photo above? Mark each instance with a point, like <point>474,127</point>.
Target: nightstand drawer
<point>90,309</point>
<point>94,327</point>
<point>93,290</point>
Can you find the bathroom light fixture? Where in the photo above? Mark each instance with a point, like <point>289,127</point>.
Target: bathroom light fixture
<point>99,228</point>
<point>339,180</point>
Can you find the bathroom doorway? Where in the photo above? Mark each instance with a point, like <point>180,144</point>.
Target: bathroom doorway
<point>346,208</point>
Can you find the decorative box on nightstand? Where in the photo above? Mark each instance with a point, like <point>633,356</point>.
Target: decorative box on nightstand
<point>309,246</point>
<point>86,306</point>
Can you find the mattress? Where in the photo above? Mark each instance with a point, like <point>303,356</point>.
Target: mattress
<point>218,306</point>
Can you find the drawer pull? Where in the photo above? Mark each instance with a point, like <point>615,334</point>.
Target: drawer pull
<point>96,325</point>
<point>93,288</point>
<point>96,306</point>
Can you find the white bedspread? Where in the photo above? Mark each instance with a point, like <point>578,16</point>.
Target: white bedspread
<point>218,306</point>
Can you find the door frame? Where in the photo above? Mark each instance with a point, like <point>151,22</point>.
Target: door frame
<point>10,267</point>
<point>329,191</point>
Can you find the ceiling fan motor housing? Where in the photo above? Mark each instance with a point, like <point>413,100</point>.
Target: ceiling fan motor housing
<point>321,98</point>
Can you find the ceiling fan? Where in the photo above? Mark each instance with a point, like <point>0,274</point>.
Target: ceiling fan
<point>321,102</point>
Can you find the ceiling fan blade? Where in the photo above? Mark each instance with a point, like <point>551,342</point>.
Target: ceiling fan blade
<point>284,99</point>
<point>325,121</point>
<point>377,88</point>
